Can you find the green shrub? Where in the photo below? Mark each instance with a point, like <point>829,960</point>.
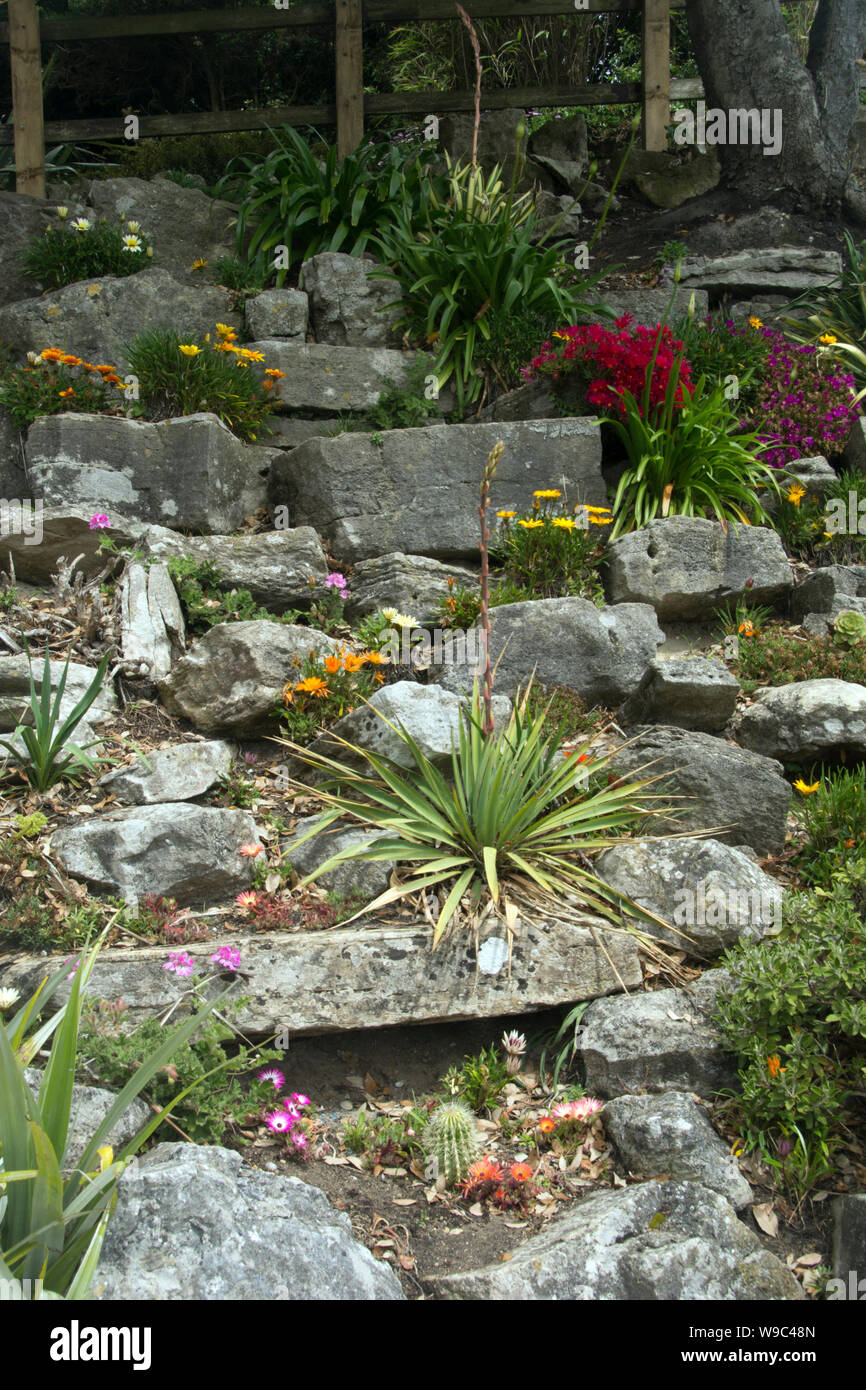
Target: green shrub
<point>81,250</point>
<point>206,601</point>
<point>203,156</point>
<point>835,317</point>
<point>178,378</point>
<point>776,657</point>
<point>479,1081</point>
<point>552,551</point>
<point>718,350</point>
<point>796,1019</point>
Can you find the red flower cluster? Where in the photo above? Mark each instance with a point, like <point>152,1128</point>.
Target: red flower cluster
<point>507,1190</point>
<point>619,359</point>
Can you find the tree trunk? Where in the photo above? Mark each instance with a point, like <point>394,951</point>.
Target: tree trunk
<point>747,60</point>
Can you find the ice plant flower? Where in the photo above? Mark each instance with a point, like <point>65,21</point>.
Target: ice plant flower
<point>279,1122</point>
<point>133,227</point>
<point>805,788</point>
<point>795,494</point>
<point>300,1141</point>
<point>247,900</point>
<point>198,264</point>
<point>313,685</point>
<point>404,620</point>
<point>275,1076</point>
<point>755,322</point>
<point>61,212</point>
<point>301,1099</point>
<point>250,851</point>
<point>335,581</point>
<point>546,1124</point>
<point>827,339</point>
<point>179,963</point>
<point>189,349</point>
<point>274,372</point>
<point>520,1172</point>
<point>8,997</point>
<point>228,957</point>
<point>99,521</point>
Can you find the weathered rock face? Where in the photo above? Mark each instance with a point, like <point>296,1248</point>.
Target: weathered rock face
<point>95,319</point>
<point>66,531</point>
<point>412,584</point>
<point>825,593</point>
<point>90,1105</point>
<point>278,314</point>
<point>189,853</point>
<point>152,629</point>
<point>329,380</point>
<point>371,976</point>
<point>693,693</point>
<point>429,714</point>
<point>806,720</point>
<point>662,1041</point>
<point>195,1223</point>
<point>672,1134</point>
<point>687,567</point>
<point>289,432</point>
<point>177,773</point>
<point>13,479</point>
<point>815,473</point>
<point>190,471</point>
<point>855,449</point>
<point>721,786</point>
<point>276,566</point>
<point>786,270</point>
<point>666,181</point>
<point>714,894</point>
<point>649,306</point>
<point>601,653</point>
<point>348,305</point>
<point>357,877</point>
<point>21,217</point>
<point>15,695</point>
<point>229,680</point>
<point>556,218</point>
<point>563,139</point>
<point>417,490</point>
<point>609,1249</point>
<point>534,401</point>
<point>184,223</point>
<point>497,139</point>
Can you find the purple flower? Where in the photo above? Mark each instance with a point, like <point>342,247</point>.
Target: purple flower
<point>279,1122</point>
<point>98,521</point>
<point>179,963</point>
<point>273,1075</point>
<point>336,581</point>
<point>228,957</point>
<point>784,1147</point>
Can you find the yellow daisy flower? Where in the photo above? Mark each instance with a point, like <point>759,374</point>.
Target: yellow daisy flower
<point>755,323</point>
<point>530,525</point>
<point>189,349</point>
<point>548,492</point>
<point>803,787</point>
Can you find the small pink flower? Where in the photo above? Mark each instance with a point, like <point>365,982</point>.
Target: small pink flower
<point>179,963</point>
<point>300,1100</point>
<point>273,1075</point>
<point>71,975</point>
<point>99,521</point>
<point>250,851</point>
<point>229,957</point>
<point>300,1141</point>
<point>279,1122</point>
<point>291,1109</point>
<point>247,900</point>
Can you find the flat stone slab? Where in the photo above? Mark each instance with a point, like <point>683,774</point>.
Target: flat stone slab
<point>782,270</point>
<point>412,584</point>
<point>177,773</point>
<point>672,1134</point>
<point>190,471</point>
<point>691,692</point>
<point>657,1241</point>
<point>416,491</point>
<point>328,379</point>
<point>66,531</point>
<point>277,567</point>
<point>806,720</point>
<point>664,1040</point>
<point>374,976</point>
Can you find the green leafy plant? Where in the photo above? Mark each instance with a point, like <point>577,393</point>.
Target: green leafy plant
<point>50,754</point>
<point>182,378</point>
<point>327,687</point>
<point>777,657</point>
<point>207,601</point>
<point>743,618</point>
<point>849,628</point>
<point>405,407</point>
<point>479,1081</point>
<point>53,1220</point>
<point>837,321</point>
<point>451,1141</point>
<point>670,253</point>
<point>832,819</point>
<point>567,1035</point>
<point>240,275</point>
<point>552,551</point>
<point>80,250</point>
<point>727,355</point>
<point>509,811</point>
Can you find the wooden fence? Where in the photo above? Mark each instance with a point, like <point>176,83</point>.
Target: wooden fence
<point>25,33</point>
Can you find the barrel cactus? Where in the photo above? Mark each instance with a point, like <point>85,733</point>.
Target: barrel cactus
<point>849,627</point>
<point>450,1139</point>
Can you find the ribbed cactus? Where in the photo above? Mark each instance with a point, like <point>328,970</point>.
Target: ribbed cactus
<point>450,1140</point>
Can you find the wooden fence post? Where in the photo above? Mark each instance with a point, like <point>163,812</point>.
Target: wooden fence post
<point>656,73</point>
<point>350,77</point>
<point>26,63</point>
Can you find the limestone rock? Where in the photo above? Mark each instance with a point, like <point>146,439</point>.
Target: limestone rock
<point>152,629</point>
<point>672,1134</point>
<point>783,270</point>
<point>348,305</point>
<point>805,721</point>
<point>691,692</point>
<point>185,225</point>
<point>277,567</point>
<point>412,584</point>
<point>176,773</point>
<point>278,314</point>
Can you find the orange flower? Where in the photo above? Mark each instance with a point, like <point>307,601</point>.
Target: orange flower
<point>332,664</point>
<point>774,1065</point>
<point>374,658</point>
<point>352,663</point>
<point>51,355</point>
<point>250,851</point>
<point>69,361</point>
<point>272,371</point>
<point>313,685</point>
<point>68,392</point>
<point>520,1172</point>
<point>546,1124</point>
<point>104,367</point>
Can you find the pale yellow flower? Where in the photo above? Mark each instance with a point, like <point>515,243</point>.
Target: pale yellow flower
<point>189,349</point>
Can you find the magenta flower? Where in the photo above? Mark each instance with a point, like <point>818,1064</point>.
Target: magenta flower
<point>279,1122</point>
<point>228,957</point>
<point>300,1141</point>
<point>273,1075</point>
<point>71,975</point>
<point>99,521</point>
<point>291,1109</point>
<point>300,1100</point>
<point>179,963</point>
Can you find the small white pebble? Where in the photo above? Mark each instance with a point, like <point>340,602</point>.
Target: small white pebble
<point>271,1167</point>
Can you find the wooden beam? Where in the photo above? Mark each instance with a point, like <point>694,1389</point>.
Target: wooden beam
<point>350,77</point>
<point>26,62</point>
<point>656,77</point>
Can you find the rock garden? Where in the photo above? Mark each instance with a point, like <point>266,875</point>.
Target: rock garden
<point>432,718</point>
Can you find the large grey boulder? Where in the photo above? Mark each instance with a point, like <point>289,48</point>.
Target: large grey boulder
<point>152,629</point>
<point>278,314</point>
<point>819,599</point>
<point>712,894</point>
<point>672,1134</point>
<point>741,796</point>
<point>348,305</point>
<point>649,306</point>
<point>177,773</point>
<point>665,1040</point>
<point>668,181</point>
<point>176,850</point>
<point>278,567</point>
<point>412,584</point>
<point>601,653</point>
<point>429,714</point>
<point>687,567</point>
<point>329,380</point>
<point>533,401</point>
<point>184,224</point>
<point>196,1223</point>
<point>372,976</point>
<point>563,139</point>
<point>96,319</point>
<point>691,692</point>
<point>416,490</point>
<point>806,720</point>
<point>497,138</point>
<point>13,479</point>
<point>780,270</point>
<point>90,1105</point>
<point>230,679</point>
<point>21,219</point>
<point>656,1241</point>
<point>190,471</point>
<point>66,532</point>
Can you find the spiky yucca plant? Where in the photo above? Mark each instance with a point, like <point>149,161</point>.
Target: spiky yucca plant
<point>450,1138</point>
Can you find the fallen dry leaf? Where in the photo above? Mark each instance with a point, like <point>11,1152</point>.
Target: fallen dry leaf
<point>766,1218</point>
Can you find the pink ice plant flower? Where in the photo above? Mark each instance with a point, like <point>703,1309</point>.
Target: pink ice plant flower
<point>300,1099</point>
<point>229,957</point>
<point>179,963</point>
<point>274,1076</point>
<point>98,521</point>
<point>577,1109</point>
<point>300,1141</point>
<point>279,1122</point>
<point>335,581</point>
